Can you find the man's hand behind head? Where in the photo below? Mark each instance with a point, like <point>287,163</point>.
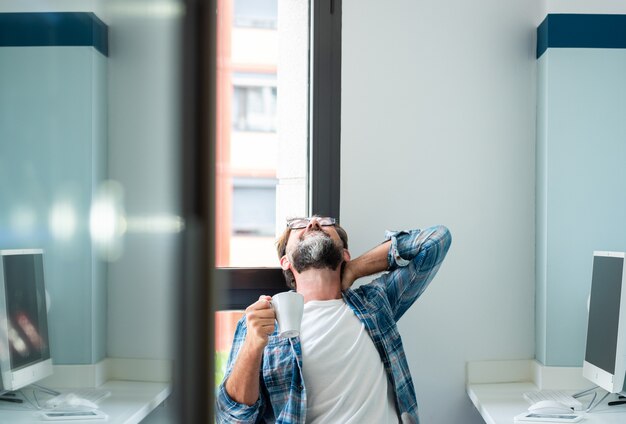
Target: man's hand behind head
<point>260,318</point>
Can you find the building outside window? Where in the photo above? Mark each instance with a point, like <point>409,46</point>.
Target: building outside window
<point>255,13</point>
<point>262,143</point>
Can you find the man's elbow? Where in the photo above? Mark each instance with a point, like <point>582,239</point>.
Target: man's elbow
<point>439,241</point>
<point>445,237</point>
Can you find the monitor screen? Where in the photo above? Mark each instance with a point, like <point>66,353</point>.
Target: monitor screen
<point>25,299</point>
<point>604,309</point>
<point>23,319</point>
<point>605,363</point>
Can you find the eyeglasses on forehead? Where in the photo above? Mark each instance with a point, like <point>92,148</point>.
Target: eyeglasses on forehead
<point>298,223</point>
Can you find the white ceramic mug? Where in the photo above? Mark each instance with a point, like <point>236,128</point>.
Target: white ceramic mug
<point>288,307</point>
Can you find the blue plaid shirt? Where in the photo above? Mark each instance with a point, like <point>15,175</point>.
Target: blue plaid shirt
<point>414,258</point>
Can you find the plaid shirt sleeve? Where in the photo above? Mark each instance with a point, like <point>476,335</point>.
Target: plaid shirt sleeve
<point>414,258</point>
<point>229,411</point>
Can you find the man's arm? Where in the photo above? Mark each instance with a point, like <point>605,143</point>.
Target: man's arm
<point>239,395</point>
<point>412,257</point>
<point>243,382</point>
<point>369,263</point>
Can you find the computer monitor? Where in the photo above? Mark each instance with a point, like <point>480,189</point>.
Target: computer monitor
<point>24,344</point>
<point>605,354</point>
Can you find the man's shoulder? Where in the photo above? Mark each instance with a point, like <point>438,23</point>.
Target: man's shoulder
<point>367,293</point>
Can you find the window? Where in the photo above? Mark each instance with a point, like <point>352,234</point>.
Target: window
<point>256,13</point>
<point>254,108</point>
<point>255,213</point>
<point>253,221</point>
<point>278,98</point>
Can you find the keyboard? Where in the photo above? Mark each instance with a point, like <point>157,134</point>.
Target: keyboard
<point>90,393</point>
<point>554,395</point>
<point>68,396</point>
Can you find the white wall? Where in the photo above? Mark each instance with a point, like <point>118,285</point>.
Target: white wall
<point>610,7</point>
<point>95,6</point>
<point>438,126</point>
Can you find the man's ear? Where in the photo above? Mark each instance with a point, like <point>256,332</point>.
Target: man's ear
<point>346,255</point>
<point>284,263</point>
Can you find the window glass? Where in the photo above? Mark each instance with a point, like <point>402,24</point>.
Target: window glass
<point>262,126</point>
<point>255,13</point>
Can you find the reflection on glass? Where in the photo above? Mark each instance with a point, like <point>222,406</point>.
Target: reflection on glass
<point>22,220</point>
<point>30,331</point>
<point>62,221</point>
<point>106,220</point>
<point>17,343</point>
<point>155,224</point>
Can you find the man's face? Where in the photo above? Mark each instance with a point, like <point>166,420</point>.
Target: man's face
<point>315,247</point>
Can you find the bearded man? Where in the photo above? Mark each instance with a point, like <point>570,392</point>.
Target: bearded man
<point>348,364</point>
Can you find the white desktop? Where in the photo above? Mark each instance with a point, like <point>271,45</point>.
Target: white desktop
<point>501,399</point>
<point>25,360</point>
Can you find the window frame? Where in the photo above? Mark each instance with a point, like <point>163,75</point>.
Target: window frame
<point>240,287</point>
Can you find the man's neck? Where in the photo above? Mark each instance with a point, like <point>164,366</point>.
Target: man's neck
<point>319,284</point>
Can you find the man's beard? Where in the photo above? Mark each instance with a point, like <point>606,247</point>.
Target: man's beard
<point>316,250</point>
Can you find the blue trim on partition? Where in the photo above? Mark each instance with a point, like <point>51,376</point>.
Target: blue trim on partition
<point>542,37</point>
<point>581,31</point>
<point>54,29</point>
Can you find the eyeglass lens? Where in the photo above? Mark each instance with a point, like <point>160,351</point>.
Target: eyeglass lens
<point>298,223</point>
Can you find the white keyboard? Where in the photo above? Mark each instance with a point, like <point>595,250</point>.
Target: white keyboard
<point>71,397</point>
<point>555,395</point>
<point>91,394</point>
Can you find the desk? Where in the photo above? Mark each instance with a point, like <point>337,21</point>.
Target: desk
<point>499,403</point>
<point>496,389</point>
<point>129,403</point>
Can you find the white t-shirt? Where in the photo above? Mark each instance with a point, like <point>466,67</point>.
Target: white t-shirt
<point>344,376</point>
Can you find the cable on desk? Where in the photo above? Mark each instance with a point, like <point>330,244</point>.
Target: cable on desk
<point>591,407</point>
<point>621,401</point>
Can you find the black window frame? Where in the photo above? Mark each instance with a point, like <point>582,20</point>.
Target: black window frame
<point>239,287</point>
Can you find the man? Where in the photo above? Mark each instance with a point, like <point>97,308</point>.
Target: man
<point>348,365</point>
